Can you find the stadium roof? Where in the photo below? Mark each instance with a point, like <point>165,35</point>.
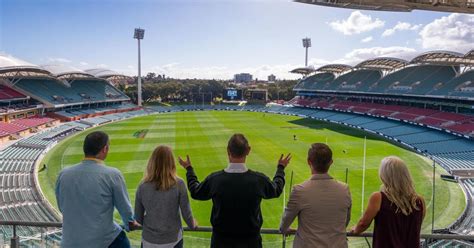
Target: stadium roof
<point>303,70</point>
<point>14,67</point>
<point>335,68</point>
<point>66,71</point>
<point>442,58</point>
<point>382,63</point>
<point>459,6</point>
<point>469,55</point>
<point>106,73</point>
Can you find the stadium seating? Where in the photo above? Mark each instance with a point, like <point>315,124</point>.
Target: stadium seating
<point>89,112</point>
<point>416,80</point>
<point>317,81</point>
<point>7,93</point>
<point>79,91</point>
<point>20,125</point>
<point>454,122</point>
<point>357,80</point>
<point>458,86</point>
<point>422,80</point>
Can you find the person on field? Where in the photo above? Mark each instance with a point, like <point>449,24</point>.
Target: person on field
<point>87,194</point>
<point>160,201</point>
<point>397,209</point>
<point>322,205</point>
<point>236,194</point>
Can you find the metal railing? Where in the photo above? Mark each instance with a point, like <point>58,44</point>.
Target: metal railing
<point>15,240</point>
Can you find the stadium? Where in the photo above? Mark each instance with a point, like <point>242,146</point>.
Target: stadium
<point>419,109</point>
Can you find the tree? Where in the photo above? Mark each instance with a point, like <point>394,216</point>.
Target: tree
<point>150,76</point>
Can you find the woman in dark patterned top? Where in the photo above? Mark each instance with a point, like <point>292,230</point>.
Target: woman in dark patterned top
<point>397,209</point>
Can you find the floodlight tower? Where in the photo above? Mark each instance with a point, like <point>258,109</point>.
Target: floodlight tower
<point>139,34</point>
<point>306,45</point>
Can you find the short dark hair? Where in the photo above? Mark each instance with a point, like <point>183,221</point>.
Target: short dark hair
<point>320,156</point>
<point>94,142</point>
<point>238,145</point>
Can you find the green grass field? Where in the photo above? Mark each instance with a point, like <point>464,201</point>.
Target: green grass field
<point>204,135</point>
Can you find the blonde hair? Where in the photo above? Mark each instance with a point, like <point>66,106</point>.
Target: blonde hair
<point>161,169</point>
<point>398,184</point>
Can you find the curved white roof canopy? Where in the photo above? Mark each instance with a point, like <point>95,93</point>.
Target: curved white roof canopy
<point>106,73</point>
<point>382,63</point>
<point>469,55</point>
<point>441,58</point>
<point>303,70</point>
<point>335,68</point>
<point>66,72</point>
<point>12,67</point>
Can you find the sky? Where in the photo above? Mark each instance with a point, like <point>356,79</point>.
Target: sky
<point>218,38</point>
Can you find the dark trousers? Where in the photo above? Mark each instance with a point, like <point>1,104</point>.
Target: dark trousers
<point>121,241</point>
<point>218,241</point>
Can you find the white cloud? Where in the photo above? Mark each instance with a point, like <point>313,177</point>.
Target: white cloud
<point>455,31</point>
<point>358,55</point>
<point>367,39</point>
<point>317,62</point>
<point>178,70</point>
<point>102,66</point>
<point>82,63</point>
<point>356,23</point>
<point>59,60</point>
<point>399,27</point>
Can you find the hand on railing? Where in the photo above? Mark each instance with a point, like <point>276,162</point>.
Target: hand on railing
<point>134,225</point>
<point>290,231</point>
<point>195,225</point>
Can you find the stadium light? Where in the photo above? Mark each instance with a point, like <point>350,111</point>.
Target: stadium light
<point>139,34</point>
<point>306,45</point>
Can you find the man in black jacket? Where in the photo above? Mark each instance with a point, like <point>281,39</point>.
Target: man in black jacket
<point>236,193</point>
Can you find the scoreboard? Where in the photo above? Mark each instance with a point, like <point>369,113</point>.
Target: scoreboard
<point>232,94</point>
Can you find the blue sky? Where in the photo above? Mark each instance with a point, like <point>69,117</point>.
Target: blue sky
<point>217,38</point>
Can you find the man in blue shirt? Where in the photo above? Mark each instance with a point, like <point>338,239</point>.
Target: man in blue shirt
<point>87,194</point>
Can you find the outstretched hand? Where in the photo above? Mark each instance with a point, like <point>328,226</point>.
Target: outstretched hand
<point>284,161</point>
<point>184,163</point>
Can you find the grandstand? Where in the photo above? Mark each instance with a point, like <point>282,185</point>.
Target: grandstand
<point>425,104</point>
<point>432,90</point>
<point>29,93</point>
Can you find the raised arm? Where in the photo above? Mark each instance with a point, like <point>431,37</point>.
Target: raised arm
<point>199,191</point>
<point>274,188</point>
<point>372,209</point>
<point>121,200</point>
<point>291,211</point>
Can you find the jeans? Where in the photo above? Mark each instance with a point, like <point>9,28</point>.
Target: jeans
<point>121,241</point>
